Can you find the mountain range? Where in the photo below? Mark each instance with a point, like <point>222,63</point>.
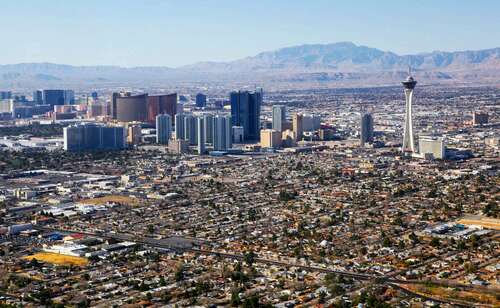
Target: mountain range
<point>343,63</point>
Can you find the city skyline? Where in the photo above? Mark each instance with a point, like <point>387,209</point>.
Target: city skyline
<point>317,175</point>
<point>130,34</point>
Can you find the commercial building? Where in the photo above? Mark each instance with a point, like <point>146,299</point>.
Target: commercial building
<point>288,138</point>
<point>366,129</point>
<point>201,135</point>
<point>134,134</point>
<point>279,117</point>
<point>311,122</point>
<point>163,128</point>
<point>97,109</point>
<point>128,108</point>
<point>90,136</point>
<point>7,105</point>
<point>270,138</point>
<point>179,126</point>
<point>238,134</point>
<point>58,97</point>
<point>479,118</point>
<point>201,100</point>
<point>38,97</point>
<point>222,133</point>
<point>245,112</point>
<point>161,104</point>
<point>5,94</point>
<point>190,131</point>
<point>69,97</point>
<point>297,126</point>
<point>432,147</point>
<point>208,122</point>
<point>178,146</point>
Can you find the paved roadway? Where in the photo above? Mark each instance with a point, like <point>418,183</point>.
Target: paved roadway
<point>185,244</point>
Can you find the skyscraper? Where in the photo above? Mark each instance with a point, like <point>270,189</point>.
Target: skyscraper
<point>163,128</point>
<point>5,94</point>
<point>222,133</point>
<point>190,130</point>
<point>311,122</point>
<point>201,135</point>
<point>408,144</point>
<point>279,117</point>
<point>366,129</point>
<point>245,111</point>
<point>297,126</point>
<point>161,104</point>
<point>127,108</point>
<point>134,134</point>
<point>201,100</point>
<point>38,97</point>
<point>69,97</point>
<point>479,118</point>
<point>179,126</point>
<point>208,121</point>
<point>53,97</point>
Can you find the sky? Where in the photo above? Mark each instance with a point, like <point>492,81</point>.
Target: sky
<point>180,32</point>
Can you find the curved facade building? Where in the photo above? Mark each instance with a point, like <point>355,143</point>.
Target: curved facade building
<point>161,104</point>
<point>130,108</point>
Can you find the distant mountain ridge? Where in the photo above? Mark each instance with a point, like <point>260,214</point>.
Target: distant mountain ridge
<point>343,62</point>
<point>346,56</point>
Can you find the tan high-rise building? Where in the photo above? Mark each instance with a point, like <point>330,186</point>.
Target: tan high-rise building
<point>270,138</point>
<point>297,126</point>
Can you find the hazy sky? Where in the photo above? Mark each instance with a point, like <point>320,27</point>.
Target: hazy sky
<point>179,32</point>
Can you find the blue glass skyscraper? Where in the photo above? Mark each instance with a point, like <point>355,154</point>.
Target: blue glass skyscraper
<point>245,112</point>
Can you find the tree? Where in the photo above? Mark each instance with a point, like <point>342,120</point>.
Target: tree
<point>166,297</point>
<point>34,263</point>
<point>44,296</point>
<point>435,242</point>
<point>322,296</point>
<point>179,274</point>
<point>491,209</point>
<point>469,267</point>
<point>235,298</point>
<point>162,281</point>
<point>249,257</point>
<point>386,242</point>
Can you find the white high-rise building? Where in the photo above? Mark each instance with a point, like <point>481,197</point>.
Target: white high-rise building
<point>163,128</point>
<point>190,130</point>
<point>179,126</point>
<point>208,121</point>
<point>222,132</point>
<point>201,136</point>
<point>279,117</point>
<point>408,144</point>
